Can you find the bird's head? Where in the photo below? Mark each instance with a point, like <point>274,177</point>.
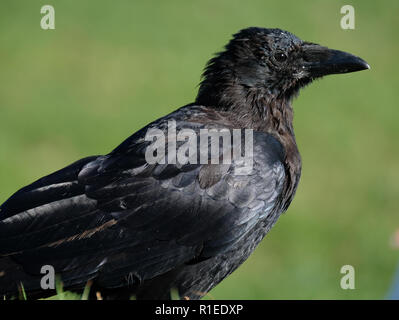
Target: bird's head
<point>270,62</point>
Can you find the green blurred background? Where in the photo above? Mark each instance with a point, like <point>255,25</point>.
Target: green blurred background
<point>110,67</point>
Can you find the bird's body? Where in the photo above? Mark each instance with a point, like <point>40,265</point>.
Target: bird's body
<point>138,228</point>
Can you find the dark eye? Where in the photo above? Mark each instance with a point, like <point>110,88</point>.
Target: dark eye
<point>280,56</point>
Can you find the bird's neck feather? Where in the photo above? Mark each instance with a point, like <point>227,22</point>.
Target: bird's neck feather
<point>252,108</point>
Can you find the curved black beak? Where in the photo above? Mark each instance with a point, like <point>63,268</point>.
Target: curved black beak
<point>320,61</point>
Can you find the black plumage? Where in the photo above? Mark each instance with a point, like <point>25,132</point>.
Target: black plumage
<point>135,228</point>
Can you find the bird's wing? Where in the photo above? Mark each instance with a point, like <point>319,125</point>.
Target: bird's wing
<point>108,216</point>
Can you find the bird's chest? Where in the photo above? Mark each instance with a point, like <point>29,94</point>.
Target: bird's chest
<point>293,168</point>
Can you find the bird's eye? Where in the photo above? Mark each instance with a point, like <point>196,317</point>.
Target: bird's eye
<point>280,56</point>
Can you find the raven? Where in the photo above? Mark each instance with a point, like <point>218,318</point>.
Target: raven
<point>132,227</point>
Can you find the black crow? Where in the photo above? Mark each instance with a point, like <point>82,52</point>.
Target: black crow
<point>134,227</point>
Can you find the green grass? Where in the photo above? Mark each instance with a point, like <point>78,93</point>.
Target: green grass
<point>109,68</point>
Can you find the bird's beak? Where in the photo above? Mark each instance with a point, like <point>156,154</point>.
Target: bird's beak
<point>319,61</point>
